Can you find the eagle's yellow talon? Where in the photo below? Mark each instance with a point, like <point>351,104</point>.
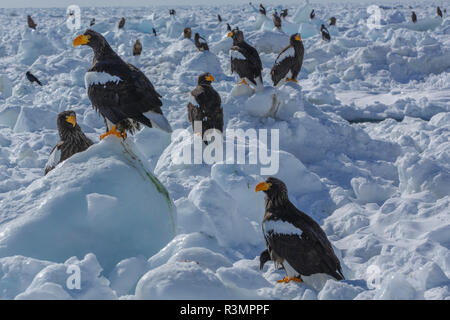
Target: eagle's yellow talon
<point>291,80</point>
<point>242,82</point>
<point>287,279</point>
<point>114,132</point>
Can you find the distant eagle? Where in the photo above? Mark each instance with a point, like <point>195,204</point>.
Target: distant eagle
<point>312,14</point>
<point>262,10</point>
<point>137,48</point>
<point>284,13</point>
<point>289,61</point>
<point>293,239</point>
<point>187,33</point>
<point>154,31</point>
<point>245,59</point>
<point>439,12</point>
<point>72,140</point>
<point>219,18</point>
<point>31,23</point>
<point>200,43</point>
<point>332,21</point>
<point>122,23</point>
<point>32,78</point>
<point>325,33</point>
<point>121,93</point>
<point>172,12</point>
<point>276,20</point>
<point>413,17</point>
<point>228,27</point>
<point>205,105</point>
<point>92,22</point>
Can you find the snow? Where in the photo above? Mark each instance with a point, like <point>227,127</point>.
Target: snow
<point>363,149</point>
<point>281,227</point>
<point>93,77</point>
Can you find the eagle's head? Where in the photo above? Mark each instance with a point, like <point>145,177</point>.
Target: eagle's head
<point>205,78</point>
<point>90,38</point>
<point>275,189</point>
<point>67,121</point>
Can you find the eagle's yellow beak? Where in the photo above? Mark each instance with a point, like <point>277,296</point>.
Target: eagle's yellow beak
<point>262,186</point>
<point>230,34</point>
<point>298,38</point>
<point>81,39</point>
<point>72,120</point>
<point>209,78</point>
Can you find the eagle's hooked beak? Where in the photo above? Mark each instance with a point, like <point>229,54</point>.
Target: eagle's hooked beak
<point>262,186</point>
<point>209,78</point>
<point>72,120</point>
<point>230,34</point>
<point>81,39</point>
<point>298,38</point>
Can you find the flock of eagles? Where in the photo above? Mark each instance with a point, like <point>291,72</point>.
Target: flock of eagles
<point>126,99</point>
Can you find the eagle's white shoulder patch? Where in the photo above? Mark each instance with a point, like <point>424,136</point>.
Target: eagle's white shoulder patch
<point>290,52</point>
<point>236,54</point>
<point>93,77</point>
<point>281,227</point>
<point>53,159</point>
<point>192,100</point>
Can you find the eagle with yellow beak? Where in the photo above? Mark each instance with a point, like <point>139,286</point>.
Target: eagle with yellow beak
<point>294,240</point>
<point>122,94</point>
<point>289,61</point>
<point>205,106</point>
<point>72,140</point>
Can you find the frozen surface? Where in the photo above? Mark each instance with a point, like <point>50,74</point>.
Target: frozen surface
<point>364,149</point>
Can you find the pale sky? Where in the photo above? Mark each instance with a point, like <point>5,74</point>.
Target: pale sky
<point>103,3</point>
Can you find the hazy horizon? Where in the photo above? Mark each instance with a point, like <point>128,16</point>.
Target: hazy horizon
<point>143,3</point>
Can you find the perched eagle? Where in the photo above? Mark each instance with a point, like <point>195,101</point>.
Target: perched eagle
<point>289,62</point>
<point>325,33</point>
<point>187,33</point>
<point>32,78</point>
<point>92,22</point>
<point>219,17</point>
<point>413,17</point>
<point>122,23</point>
<point>200,43</point>
<point>137,48</point>
<point>245,59</point>
<point>276,20</point>
<point>205,105</point>
<point>228,27</point>
<point>284,13</point>
<point>439,12</point>
<point>293,239</point>
<point>31,23</point>
<point>312,14</point>
<point>120,91</point>
<point>72,140</point>
<point>332,21</point>
<point>154,31</point>
<point>172,12</point>
<point>262,10</point>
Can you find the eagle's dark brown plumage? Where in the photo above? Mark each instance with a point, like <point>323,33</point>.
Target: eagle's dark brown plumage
<point>200,43</point>
<point>122,23</point>
<point>439,12</point>
<point>172,12</point>
<point>276,20</point>
<point>293,239</point>
<point>137,48</point>
<point>219,18</point>
<point>325,33</point>
<point>72,140</point>
<point>187,33</point>
<point>312,14</point>
<point>31,23</point>
<point>284,13</point>
<point>118,90</point>
<point>92,22</point>
<point>245,59</point>
<point>413,17</point>
<point>205,105</point>
<point>289,61</point>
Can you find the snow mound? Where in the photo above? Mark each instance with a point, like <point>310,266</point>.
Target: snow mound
<point>102,200</point>
<point>268,41</point>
